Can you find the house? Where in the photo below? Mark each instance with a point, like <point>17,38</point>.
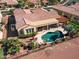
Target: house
<point>2,3</point>
<point>7,3</point>
<point>30,21</point>
<point>38,3</point>
<point>70,2</point>
<point>70,12</point>
<point>11,2</point>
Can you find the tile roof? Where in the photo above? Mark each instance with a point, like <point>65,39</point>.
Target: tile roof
<point>33,1</point>
<point>73,9</point>
<point>23,17</point>
<point>40,14</point>
<point>36,1</point>
<point>62,20</point>
<point>11,2</point>
<point>45,1</point>
<point>2,1</point>
<point>75,6</point>
<point>18,13</point>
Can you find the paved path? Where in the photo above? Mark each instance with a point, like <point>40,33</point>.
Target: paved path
<point>66,50</point>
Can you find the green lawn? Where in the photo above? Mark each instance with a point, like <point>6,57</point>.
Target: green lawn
<point>1,54</point>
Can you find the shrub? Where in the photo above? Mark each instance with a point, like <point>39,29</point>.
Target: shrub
<point>32,45</point>
<point>10,46</point>
<point>31,34</point>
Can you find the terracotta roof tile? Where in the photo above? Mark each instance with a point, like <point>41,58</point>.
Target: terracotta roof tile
<point>73,9</point>
<point>18,13</point>
<point>62,19</point>
<point>2,1</point>
<point>11,2</point>
<point>23,17</point>
<point>40,14</point>
<point>33,1</point>
<point>36,1</point>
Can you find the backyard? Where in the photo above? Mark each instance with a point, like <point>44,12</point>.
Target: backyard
<point>27,46</point>
<point>66,50</point>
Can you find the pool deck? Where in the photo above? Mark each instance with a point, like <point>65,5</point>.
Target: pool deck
<point>40,34</point>
<point>66,50</point>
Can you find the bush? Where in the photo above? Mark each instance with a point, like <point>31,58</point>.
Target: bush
<point>33,45</point>
<point>21,3</point>
<point>11,46</point>
<point>31,34</point>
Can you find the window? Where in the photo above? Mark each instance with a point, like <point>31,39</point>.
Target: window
<point>30,30</point>
<point>21,31</point>
<point>27,31</point>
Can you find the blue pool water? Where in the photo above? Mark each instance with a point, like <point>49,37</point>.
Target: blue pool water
<point>52,36</point>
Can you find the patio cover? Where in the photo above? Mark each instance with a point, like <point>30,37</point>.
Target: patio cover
<point>44,22</point>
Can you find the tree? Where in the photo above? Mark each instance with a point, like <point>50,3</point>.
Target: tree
<point>10,46</point>
<point>21,3</point>
<point>33,45</point>
<point>72,27</point>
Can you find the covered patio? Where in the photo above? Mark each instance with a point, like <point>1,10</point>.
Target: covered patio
<point>45,24</point>
<point>39,26</point>
<point>47,27</point>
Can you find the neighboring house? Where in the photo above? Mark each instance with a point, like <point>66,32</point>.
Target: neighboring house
<point>71,12</point>
<point>11,2</point>
<point>71,2</point>
<point>7,3</point>
<point>39,19</point>
<point>38,3</point>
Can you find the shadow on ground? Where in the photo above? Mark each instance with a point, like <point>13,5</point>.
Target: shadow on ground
<point>10,33</point>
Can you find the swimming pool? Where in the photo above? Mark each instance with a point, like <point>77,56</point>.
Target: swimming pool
<point>52,36</point>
